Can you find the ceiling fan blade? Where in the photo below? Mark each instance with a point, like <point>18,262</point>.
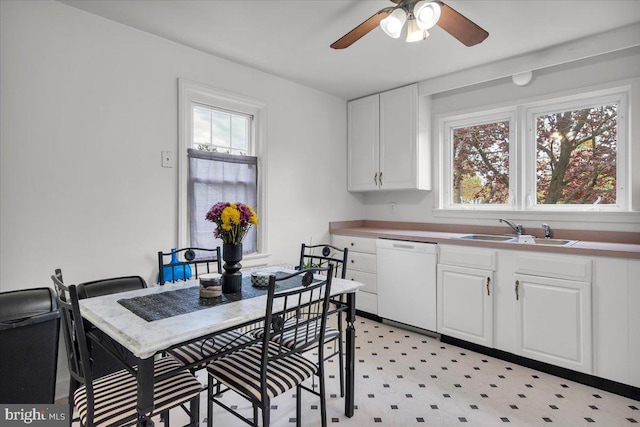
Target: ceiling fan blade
<point>460,27</point>
<point>362,29</point>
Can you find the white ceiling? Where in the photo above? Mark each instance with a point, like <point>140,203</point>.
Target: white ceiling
<point>291,38</point>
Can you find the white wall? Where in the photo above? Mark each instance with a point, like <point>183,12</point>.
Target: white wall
<point>608,70</point>
<point>87,105</point>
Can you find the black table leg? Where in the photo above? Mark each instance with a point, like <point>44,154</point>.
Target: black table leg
<point>349,399</point>
<point>145,391</point>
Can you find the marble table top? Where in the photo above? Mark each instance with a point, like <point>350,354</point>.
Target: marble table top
<point>144,339</point>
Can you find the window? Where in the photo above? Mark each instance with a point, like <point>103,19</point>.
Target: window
<point>220,131</point>
<point>478,160</point>
<point>219,134</point>
<point>577,148</point>
<point>572,156</point>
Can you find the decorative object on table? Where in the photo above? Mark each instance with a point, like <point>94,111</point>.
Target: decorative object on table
<point>196,262</point>
<point>177,270</point>
<point>233,221</point>
<point>260,279</point>
<point>210,285</point>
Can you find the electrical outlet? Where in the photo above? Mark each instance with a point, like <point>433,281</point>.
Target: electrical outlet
<point>168,159</point>
<point>392,207</point>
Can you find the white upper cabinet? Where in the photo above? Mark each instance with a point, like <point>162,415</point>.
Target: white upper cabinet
<point>363,143</point>
<point>385,151</point>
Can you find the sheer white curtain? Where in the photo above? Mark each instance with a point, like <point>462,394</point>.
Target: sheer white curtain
<point>218,177</point>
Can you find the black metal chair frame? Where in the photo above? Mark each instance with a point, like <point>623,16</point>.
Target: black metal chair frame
<point>79,360</point>
<point>301,311</point>
<point>327,257</point>
<point>190,259</point>
<point>118,355</point>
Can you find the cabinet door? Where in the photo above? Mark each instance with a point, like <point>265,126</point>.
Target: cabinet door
<point>399,138</point>
<point>553,321</point>
<point>465,304</point>
<point>363,143</point>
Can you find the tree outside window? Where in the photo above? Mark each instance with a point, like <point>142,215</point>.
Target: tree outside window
<point>481,163</point>
<point>572,156</point>
<point>576,158</point>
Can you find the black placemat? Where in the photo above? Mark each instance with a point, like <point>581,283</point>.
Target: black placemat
<point>181,301</point>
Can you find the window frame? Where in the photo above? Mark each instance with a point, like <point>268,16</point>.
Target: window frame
<point>582,101</point>
<point>522,165</point>
<point>190,92</point>
<point>447,125</point>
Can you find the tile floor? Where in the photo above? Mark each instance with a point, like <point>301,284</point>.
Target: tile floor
<point>405,378</point>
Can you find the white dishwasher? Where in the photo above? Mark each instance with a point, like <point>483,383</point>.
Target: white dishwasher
<point>407,282</point>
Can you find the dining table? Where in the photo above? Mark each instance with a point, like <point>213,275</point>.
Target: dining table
<point>151,321</point>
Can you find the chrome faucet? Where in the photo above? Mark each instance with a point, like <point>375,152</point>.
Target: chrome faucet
<point>515,227</point>
<point>547,231</point>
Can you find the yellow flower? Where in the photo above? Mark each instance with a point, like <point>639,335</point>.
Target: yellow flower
<point>230,215</point>
<point>254,217</point>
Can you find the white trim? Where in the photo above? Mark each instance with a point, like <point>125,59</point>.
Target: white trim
<point>446,126</point>
<point>588,47</point>
<point>189,92</point>
<point>585,100</point>
<point>520,171</point>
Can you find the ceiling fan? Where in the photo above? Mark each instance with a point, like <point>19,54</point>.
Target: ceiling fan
<point>419,16</point>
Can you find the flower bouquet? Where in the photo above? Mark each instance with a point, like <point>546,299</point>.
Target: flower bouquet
<point>233,221</point>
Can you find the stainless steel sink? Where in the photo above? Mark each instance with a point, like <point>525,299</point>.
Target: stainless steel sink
<point>554,242</point>
<point>489,237</point>
<point>514,239</point>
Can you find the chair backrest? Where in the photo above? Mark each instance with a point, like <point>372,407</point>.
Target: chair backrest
<point>114,285</point>
<point>177,264</point>
<point>103,363</point>
<point>74,335</point>
<point>323,256</point>
<point>298,315</point>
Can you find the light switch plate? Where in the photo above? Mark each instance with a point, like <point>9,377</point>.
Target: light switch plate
<point>168,160</point>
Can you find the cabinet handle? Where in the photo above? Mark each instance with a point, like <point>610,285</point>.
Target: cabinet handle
<point>488,281</point>
<point>517,293</point>
<point>375,179</point>
<point>352,244</point>
<point>380,179</point>
<point>352,261</point>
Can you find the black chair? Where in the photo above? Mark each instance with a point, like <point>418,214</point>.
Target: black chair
<point>111,400</point>
<point>336,257</point>
<point>195,261</point>
<point>266,369</point>
<point>29,331</point>
<point>103,363</point>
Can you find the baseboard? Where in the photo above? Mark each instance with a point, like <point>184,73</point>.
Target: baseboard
<point>579,377</point>
<point>369,316</point>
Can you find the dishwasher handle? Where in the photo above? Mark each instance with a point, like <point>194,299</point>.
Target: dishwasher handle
<point>403,246</point>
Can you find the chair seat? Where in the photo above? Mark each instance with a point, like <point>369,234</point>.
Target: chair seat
<point>241,371</point>
<point>115,394</point>
<point>290,338</point>
<point>200,350</point>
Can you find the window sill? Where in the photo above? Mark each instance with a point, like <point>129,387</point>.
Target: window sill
<point>255,260</point>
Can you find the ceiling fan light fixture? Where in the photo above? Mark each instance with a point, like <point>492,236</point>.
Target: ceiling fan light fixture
<point>427,14</point>
<point>392,24</point>
<point>414,32</point>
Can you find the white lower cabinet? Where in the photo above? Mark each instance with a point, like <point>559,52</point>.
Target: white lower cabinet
<point>553,321</point>
<point>553,309</point>
<point>465,304</point>
<point>361,267</point>
<point>616,319</point>
<point>465,289</point>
